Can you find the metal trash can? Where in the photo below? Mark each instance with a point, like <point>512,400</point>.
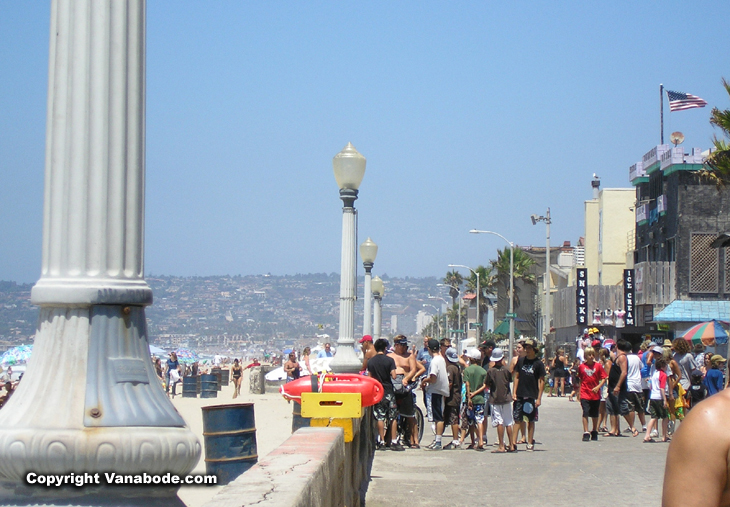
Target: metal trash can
<point>229,432</point>
<point>208,386</point>
<point>225,376</point>
<point>297,421</point>
<point>189,387</point>
<point>218,375</point>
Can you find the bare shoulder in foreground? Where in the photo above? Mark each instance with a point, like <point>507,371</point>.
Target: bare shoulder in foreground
<point>697,461</point>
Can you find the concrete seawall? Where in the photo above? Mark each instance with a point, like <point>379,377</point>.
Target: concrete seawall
<point>313,467</point>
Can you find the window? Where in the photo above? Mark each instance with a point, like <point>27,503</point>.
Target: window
<point>671,250</point>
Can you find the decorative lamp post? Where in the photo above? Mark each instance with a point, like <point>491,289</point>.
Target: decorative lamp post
<point>368,252</point>
<point>105,408</point>
<point>457,338</point>
<point>479,290</point>
<point>511,287</point>
<point>438,320</point>
<point>378,293</point>
<point>349,168</point>
<point>546,318</point>
<point>446,314</point>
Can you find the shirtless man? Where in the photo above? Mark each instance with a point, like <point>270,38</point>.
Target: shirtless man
<point>698,460</point>
<point>407,368</point>
<point>368,351</point>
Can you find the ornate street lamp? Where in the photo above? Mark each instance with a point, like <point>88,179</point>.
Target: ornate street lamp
<point>378,293</point>
<point>546,318</point>
<point>349,168</point>
<point>368,252</point>
<point>479,290</point>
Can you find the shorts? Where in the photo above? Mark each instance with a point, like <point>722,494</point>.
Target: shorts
<point>604,392</point>
<point>437,407</point>
<point>519,413</point>
<point>502,415</point>
<point>386,409</point>
<point>463,419</point>
<point>658,410</point>
<point>406,404</point>
<point>617,405</point>
<point>451,415</point>
<point>636,401</point>
<point>475,414</point>
<point>590,407</point>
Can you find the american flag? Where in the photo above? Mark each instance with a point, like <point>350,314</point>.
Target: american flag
<point>679,101</point>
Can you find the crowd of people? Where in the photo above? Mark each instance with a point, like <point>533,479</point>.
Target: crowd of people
<point>459,392</point>
<point>654,384</point>
<point>658,384</point>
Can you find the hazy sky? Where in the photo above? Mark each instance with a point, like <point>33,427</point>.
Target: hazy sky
<point>470,115</point>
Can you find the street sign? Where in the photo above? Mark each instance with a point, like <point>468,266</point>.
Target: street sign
<point>456,330</point>
<point>510,315</point>
<point>473,325</point>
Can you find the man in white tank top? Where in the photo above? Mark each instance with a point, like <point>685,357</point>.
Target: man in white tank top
<point>635,395</point>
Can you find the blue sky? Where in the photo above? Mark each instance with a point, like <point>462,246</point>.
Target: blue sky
<point>470,114</point>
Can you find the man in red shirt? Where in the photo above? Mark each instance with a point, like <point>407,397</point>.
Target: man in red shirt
<point>591,376</point>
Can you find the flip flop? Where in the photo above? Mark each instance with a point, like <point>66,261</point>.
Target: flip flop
<point>523,441</point>
<point>649,441</point>
<point>497,451</point>
<point>666,439</point>
<point>480,448</point>
<point>471,446</point>
<point>634,432</point>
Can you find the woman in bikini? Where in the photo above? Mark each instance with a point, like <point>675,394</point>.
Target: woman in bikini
<point>236,372</point>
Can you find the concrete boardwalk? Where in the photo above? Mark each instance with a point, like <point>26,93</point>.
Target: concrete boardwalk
<point>562,471</point>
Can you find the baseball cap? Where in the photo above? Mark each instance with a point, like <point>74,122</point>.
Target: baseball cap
<point>657,349</point>
<point>451,355</point>
<point>530,343</point>
<point>474,354</point>
<point>366,338</point>
<point>497,355</point>
<point>433,344</point>
<point>400,340</point>
<point>596,344</point>
<point>717,358</point>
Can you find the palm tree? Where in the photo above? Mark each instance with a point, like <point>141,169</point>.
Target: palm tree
<point>486,286</point>
<point>454,280</point>
<point>521,270</point>
<point>717,165</point>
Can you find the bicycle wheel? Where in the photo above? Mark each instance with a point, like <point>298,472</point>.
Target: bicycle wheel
<point>419,423</point>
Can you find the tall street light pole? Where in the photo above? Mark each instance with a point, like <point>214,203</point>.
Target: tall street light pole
<point>368,252</point>
<point>479,290</point>
<point>349,168</point>
<point>438,321</point>
<point>446,315</point>
<point>459,310</point>
<point>511,287</point>
<point>378,292</point>
<point>546,283</point>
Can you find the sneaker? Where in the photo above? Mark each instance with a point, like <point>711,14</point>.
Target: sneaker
<point>643,429</point>
<point>654,434</point>
<point>431,445</point>
<point>594,435</point>
<point>586,437</point>
<point>396,447</point>
<point>627,430</point>
<point>436,446</point>
<point>530,447</point>
<point>380,446</point>
<point>452,445</point>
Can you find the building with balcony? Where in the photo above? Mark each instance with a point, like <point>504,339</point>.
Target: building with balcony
<point>680,278</point>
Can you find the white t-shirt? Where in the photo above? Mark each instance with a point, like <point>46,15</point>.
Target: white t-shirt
<point>580,354</point>
<point>633,373</point>
<point>438,368</point>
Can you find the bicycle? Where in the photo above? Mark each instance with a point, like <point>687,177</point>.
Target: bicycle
<point>404,429</point>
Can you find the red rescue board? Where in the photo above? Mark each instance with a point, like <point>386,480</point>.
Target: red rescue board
<point>370,389</point>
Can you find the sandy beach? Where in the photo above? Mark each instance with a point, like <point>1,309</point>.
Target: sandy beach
<point>273,425</point>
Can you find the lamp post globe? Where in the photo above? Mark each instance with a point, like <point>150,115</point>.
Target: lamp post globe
<point>349,169</point>
<point>368,252</point>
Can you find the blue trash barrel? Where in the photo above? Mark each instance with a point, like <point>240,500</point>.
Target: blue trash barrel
<point>189,387</point>
<point>297,421</point>
<point>208,386</point>
<point>229,432</point>
<point>225,376</point>
<point>219,375</point>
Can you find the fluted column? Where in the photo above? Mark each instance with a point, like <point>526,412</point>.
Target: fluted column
<point>90,400</point>
<point>346,361</point>
<point>367,326</point>
<point>377,317</point>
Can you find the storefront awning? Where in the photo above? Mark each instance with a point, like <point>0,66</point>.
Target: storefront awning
<point>694,311</point>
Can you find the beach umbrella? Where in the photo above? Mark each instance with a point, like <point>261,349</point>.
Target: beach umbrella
<point>707,333</point>
<point>502,328</point>
<point>287,351</point>
<point>186,356</point>
<point>16,355</point>
<point>157,351</point>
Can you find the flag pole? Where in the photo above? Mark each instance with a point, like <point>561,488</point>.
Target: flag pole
<point>661,112</point>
